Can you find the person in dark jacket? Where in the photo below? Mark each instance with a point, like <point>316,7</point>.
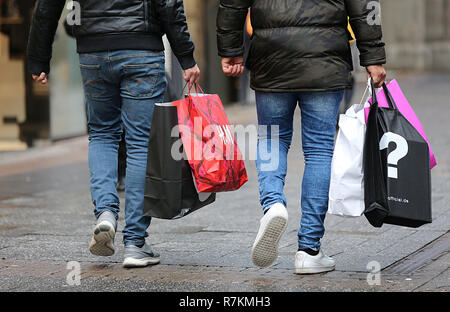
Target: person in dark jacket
<point>299,55</point>
<point>122,66</point>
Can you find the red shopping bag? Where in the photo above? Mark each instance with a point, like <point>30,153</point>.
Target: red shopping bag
<point>209,144</point>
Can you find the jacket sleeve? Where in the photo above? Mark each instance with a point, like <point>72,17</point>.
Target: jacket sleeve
<point>366,24</point>
<point>42,34</point>
<point>230,27</point>
<point>173,19</point>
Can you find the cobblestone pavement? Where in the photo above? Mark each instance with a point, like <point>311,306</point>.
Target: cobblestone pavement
<point>46,221</point>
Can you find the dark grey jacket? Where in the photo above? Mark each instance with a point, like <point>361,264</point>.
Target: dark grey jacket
<point>112,25</point>
<point>300,45</point>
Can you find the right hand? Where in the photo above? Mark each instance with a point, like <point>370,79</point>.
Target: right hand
<point>42,79</point>
<point>233,66</point>
<point>378,74</point>
<point>192,75</point>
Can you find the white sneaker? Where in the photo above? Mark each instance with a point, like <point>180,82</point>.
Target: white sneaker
<point>272,226</point>
<point>307,264</point>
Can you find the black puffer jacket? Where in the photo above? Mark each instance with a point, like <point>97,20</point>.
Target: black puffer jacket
<point>112,25</point>
<point>300,45</point>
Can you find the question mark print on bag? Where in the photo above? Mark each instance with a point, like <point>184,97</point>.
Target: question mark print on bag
<point>400,151</point>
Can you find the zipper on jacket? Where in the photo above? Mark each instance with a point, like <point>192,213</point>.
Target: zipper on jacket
<point>146,15</point>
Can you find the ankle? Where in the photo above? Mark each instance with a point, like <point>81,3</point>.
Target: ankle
<point>309,251</point>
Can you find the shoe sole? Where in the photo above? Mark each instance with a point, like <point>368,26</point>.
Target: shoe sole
<point>314,270</point>
<point>265,250</point>
<point>139,263</point>
<point>102,243</point>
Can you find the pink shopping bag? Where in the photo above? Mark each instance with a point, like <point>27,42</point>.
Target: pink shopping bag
<point>406,110</point>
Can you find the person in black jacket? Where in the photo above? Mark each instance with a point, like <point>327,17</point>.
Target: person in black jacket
<point>122,66</point>
<point>299,55</point>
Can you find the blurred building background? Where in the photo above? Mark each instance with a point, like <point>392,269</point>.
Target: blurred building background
<point>416,32</point>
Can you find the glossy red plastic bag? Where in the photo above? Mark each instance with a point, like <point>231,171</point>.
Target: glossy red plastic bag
<point>209,144</point>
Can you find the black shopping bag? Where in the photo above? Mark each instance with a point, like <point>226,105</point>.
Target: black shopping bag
<point>397,187</point>
<point>170,192</point>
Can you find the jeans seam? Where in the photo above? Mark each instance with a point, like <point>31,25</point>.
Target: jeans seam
<point>88,55</point>
<point>89,66</point>
<point>118,57</point>
<point>133,242</point>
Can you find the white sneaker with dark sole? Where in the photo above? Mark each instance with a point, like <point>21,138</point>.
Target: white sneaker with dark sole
<point>102,242</point>
<point>272,227</point>
<point>307,264</point>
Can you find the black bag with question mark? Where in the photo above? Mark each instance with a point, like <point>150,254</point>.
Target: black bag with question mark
<point>397,186</point>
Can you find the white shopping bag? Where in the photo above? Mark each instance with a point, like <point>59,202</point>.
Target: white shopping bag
<point>347,184</point>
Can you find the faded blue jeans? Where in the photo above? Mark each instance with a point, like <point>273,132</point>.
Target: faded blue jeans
<point>318,118</point>
<point>121,87</point>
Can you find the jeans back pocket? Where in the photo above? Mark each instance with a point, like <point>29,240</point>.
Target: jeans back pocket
<point>140,79</point>
<point>93,83</point>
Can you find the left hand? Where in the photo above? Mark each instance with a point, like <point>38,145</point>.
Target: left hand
<point>192,75</point>
<point>378,74</point>
<point>41,78</point>
<point>233,66</point>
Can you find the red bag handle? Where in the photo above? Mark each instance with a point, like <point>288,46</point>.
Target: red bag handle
<point>196,85</point>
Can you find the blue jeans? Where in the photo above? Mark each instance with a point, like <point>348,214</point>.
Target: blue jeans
<point>121,87</point>
<point>275,118</point>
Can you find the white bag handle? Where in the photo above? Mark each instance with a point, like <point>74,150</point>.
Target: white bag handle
<point>368,89</point>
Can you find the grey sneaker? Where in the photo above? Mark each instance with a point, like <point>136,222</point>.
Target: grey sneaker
<point>102,242</point>
<point>137,257</point>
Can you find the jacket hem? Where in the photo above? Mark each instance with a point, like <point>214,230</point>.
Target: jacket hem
<point>279,90</point>
<point>120,41</point>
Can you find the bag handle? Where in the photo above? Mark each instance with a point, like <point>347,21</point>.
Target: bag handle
<point>184,88</point>
<point>187,84</point>
<point>374,94</point>
<point>201,90</point>
<point>387,94</point>
<point>389,97</point>
<point>364,93</point>
<point>196,87</point>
